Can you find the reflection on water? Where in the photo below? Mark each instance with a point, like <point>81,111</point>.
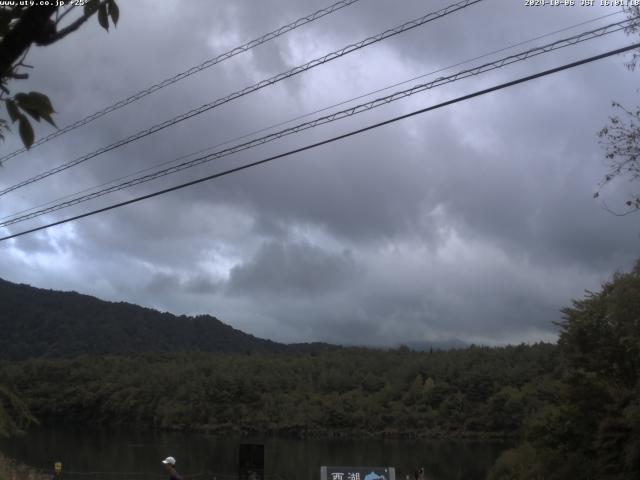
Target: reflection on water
<point>287,459</point>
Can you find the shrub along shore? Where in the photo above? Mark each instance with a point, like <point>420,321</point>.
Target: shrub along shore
<point>10,470</point>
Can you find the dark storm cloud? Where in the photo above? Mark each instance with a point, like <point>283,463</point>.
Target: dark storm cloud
<point>336,184</point>
<point>162,283</point>
<point>538,178</point>
<point>201,284</point>
<point>475,221</point>
<point>292,269</point>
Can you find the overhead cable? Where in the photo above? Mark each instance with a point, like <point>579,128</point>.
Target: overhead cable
<point>357,109</point>
<point>305,115</point>
<point>329,140</point>
<point>187,73</point>
<point>245,91</point>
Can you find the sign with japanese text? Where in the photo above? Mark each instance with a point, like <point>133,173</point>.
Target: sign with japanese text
<point>357,473</point>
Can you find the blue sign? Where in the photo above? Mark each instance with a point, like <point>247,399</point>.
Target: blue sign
<point>357,473</point>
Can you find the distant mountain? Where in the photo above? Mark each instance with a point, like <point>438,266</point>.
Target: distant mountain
<point>35,322</point>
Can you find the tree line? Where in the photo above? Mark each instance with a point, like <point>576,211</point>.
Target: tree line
<point>473,392</point>
<point>590,427</point>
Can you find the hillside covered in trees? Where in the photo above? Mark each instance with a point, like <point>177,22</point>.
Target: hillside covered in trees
<point>39,323</point>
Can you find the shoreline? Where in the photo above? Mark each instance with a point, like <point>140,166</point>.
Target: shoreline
<point>301,434</point>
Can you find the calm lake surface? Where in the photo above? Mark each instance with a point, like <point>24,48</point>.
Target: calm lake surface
<point>136,456</point>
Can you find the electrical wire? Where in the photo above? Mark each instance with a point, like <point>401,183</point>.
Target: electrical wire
<point>245,91</point>
<point>330,140</point>
<point>187,73</point>
<point>308,114</point>
<point>518,57</point>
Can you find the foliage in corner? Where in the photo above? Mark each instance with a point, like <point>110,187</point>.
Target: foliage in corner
<point>621,141</point>
<point>591,427</point>
<point>621,137</point>
<point>22,26</point>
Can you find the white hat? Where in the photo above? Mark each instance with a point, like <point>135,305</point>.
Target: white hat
<point>169,461</point>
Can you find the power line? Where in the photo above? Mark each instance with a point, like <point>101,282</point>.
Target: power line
<point>330,118</point>
<point>187,73</point>
<point>308,114</point>
<point>518,57</point>
<point>332,139</point>
<point>257,86</point>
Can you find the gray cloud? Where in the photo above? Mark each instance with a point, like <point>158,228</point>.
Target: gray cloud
<point>292,269</point>
<point>475,221</point>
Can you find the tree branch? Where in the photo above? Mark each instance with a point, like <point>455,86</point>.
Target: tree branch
<point>72,27</point>
<point>64,14</point>
<point>27,30</point>
<point>605,207</point>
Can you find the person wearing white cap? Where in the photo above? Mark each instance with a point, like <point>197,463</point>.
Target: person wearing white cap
<point>170,466</point>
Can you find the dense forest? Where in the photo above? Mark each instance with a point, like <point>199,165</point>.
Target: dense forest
<point>46,323</point>
<point>477,391</point>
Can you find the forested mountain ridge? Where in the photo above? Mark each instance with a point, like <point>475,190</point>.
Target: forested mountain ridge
<point>39,323</point>
<point>95,363</point>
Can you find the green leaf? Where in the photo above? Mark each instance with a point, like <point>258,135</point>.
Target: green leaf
<point>90,7</point>
<point>21,97</point>
<point>30,111</point>
<point>26,132</point>
<point>114,11</point>
<point>48,119</point>
<point>33,114</point>
<point>103,19</point>
<point>12,109</point>
<point>41,102</point>
<point>25,102</point>
<point>36,104</point>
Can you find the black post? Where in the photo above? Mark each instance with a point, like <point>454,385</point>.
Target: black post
<point>251,462</point>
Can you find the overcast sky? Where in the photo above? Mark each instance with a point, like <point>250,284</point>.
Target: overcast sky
<point>474,221</point>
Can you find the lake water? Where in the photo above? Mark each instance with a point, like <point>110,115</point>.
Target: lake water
<point>136,456</point>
